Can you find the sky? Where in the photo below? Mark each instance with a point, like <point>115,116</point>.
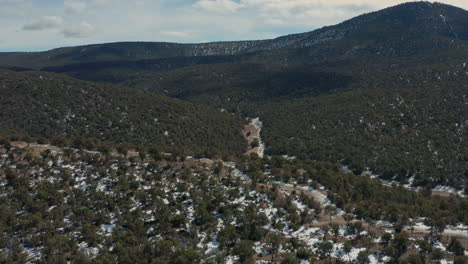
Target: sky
<point>33,25</point>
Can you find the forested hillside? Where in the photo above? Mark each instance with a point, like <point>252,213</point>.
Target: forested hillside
<point>346,144</point>
<point>60,205</point>
<point>383,92</point>
<point>40,104</point>
<point>398,122</point>
<point>414,130</point>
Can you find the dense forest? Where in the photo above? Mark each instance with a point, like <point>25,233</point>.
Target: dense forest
<point>404,131</point>
<point>45,105</point>
<point>346,144</point>
<point>383,92</point>
<point>400,122</point>
<point>61,205</point>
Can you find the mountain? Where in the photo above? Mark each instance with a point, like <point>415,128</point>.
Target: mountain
<point>123,51</point>
<point>141,152</point>
<point>403,23</point>
<point>42,104</point>
<point>411,33</point>
<point>401,70</point>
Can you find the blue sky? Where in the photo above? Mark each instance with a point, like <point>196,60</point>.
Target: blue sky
<point>31,25</point>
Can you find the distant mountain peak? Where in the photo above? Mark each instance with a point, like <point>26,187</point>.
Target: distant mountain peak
<point>421,21</point>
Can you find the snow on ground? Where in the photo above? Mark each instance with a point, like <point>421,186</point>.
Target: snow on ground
<point>448,189</point>
<point>374,259</point>
<point>106,230</point>
<point>237,173</point>
<point>259,249</point>
<point>290,158</point>
<point>231,259</point>
<point>439,245</point>
<point>34,254</point>
<point>88,251</point>
<point>341,254</point>
<point>439,188</point>
<point>211,246</point>
<point>444,261</point>
<point>378,258</point>
<point>457,230</point>
<point>317,195</point>
<point>300,205</point>
<point>420,226</point>
<point>382,223</point>
<point>259,125</point>
<point>310,235</point>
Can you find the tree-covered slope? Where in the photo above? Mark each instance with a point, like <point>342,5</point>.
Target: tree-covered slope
<point>328,78</point>
<point>46,105</point>
<point>399,121</point>
<point>414,127</point>
<point>405,35</point>
<point>62,205</point>
<point>123,51</point>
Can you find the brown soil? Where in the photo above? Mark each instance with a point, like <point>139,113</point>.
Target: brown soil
<point>250,132</point>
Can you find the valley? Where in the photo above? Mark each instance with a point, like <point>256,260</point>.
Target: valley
<point>251,133</point>
<point>345,144</point>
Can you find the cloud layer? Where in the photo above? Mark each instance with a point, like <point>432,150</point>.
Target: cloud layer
<point>82,30</point>
<point>37,25</point>
<point>75,7</point>
<point>45,22</point>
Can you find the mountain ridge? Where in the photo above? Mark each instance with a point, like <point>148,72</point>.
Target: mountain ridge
<point>437,16</point>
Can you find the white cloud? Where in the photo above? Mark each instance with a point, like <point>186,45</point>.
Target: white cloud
<point>101,2</point>
<point>28,23</point>
<point>82,30</point>
<point>174,34</point>
<point>75,7</point>
<point>218,6</point>
<point>275,21</point>
<point>307,13</point>
<point>45,22</point>
<point>15,9</point>
<point>11,1</point>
